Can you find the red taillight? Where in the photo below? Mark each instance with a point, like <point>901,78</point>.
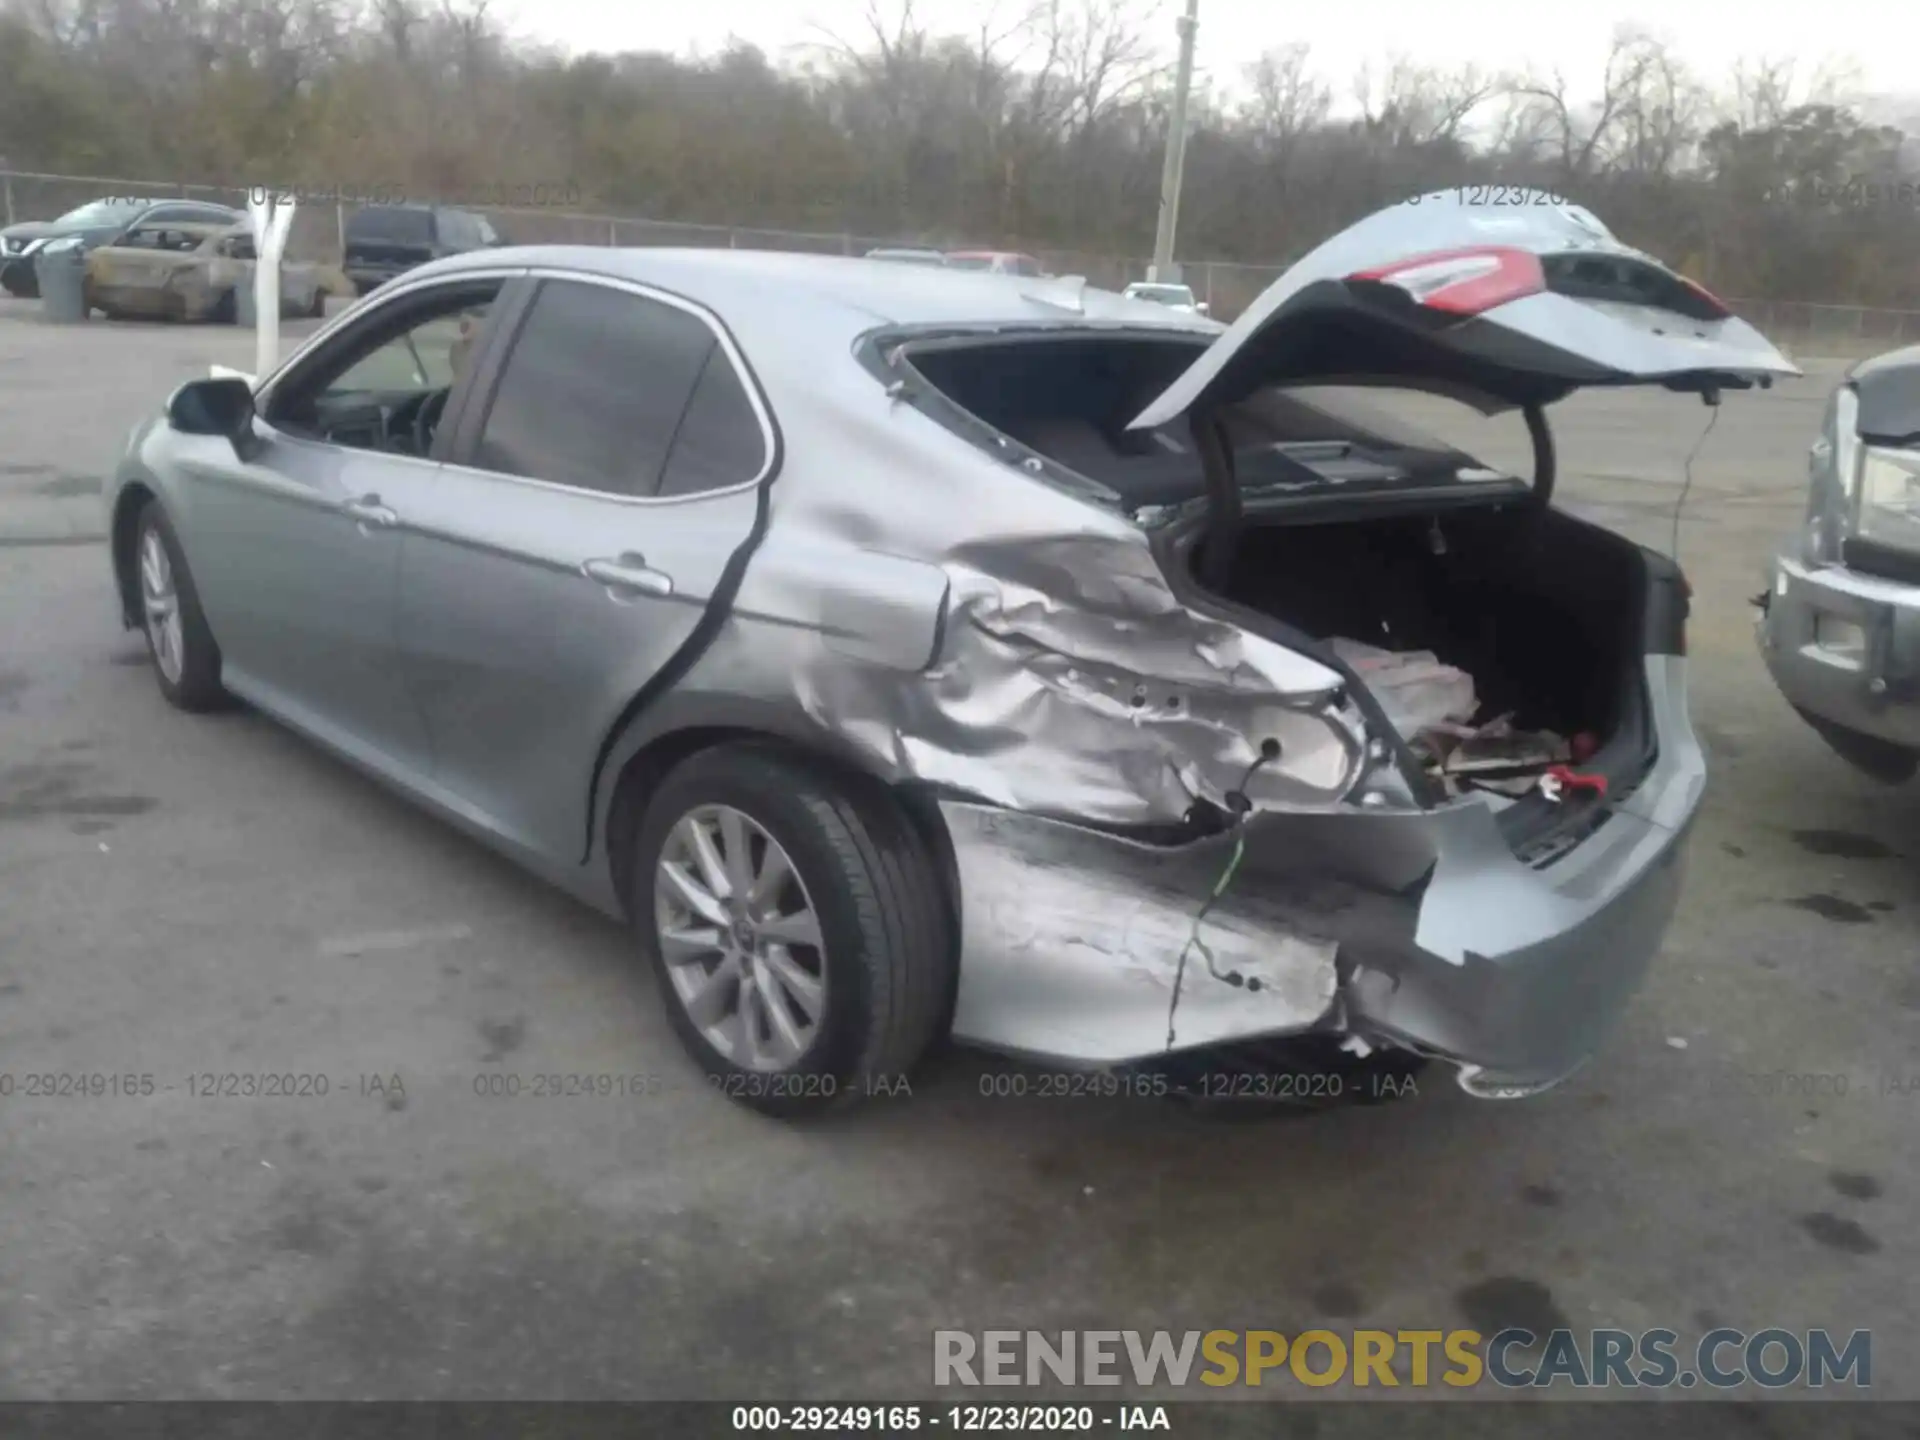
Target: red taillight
<point>1464,282</point>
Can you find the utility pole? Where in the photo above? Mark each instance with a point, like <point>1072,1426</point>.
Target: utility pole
<point>1162,267</point>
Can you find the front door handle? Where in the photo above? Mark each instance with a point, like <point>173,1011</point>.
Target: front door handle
<point>370,513</point>
<point>629,572</point>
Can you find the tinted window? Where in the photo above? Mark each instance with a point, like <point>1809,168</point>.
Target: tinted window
<point>391,224</point>
<point>720,442</point>
<point>594,389</point>
<point>457,229</point>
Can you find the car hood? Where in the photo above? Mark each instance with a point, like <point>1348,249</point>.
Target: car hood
<point>1512,297</point>
<point>32,230</point>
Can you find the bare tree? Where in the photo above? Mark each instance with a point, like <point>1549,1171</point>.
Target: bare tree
<point>1414,104</point>
<point>1287,98</point>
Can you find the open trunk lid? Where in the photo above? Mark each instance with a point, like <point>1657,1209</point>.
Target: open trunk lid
<point>1504,297</point>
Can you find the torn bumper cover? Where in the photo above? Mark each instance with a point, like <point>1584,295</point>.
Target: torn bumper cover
<point>1418,929</point>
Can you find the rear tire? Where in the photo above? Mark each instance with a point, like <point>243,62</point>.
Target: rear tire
<point>847,920</point>
<point>186,661</point>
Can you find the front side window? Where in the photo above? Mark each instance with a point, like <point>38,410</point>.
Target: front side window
<point>384,388</point>
<point>594,389</point>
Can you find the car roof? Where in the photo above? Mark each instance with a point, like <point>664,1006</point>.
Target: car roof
<point>191,204</point>
<point>763,290</point>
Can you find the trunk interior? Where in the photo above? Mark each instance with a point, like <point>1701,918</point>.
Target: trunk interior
<point>1544,611</point>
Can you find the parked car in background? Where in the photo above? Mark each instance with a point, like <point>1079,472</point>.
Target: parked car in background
<point>1839,621</point>
<point>96,223</point>
<point>999,262</point>
<point>383,241</point>
<point>1039,717</point>
<point>162,271</point>
<point>1174,297</point>
<point>907,255</point>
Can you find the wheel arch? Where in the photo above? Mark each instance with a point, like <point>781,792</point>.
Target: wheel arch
<point>671,733</point>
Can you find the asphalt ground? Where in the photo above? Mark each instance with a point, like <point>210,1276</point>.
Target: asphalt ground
<point>186,898</point>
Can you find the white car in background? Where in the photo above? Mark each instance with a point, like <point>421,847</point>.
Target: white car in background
<point>1174,297</point>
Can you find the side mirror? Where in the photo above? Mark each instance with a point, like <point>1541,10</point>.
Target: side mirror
<point>1203,308</point>
<point>222,405</point>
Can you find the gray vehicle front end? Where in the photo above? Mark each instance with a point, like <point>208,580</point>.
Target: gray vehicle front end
<point>1839,621</point>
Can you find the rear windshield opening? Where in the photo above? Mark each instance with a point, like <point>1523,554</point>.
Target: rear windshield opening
<point>1071,399</point>
<point>392,226</point>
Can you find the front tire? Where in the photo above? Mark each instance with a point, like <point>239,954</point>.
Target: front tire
<point>186,661</point>
<point>797,928</point>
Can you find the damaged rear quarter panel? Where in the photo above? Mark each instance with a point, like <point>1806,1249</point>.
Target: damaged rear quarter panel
<point>950,620</point>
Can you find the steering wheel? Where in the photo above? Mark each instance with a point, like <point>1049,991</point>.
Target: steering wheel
<point>426,416</point>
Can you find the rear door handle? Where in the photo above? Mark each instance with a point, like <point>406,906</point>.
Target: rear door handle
<point>629,572</point>
<point>370,513</point>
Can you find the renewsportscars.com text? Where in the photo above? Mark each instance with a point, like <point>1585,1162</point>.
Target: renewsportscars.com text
<point>1512,1358</point>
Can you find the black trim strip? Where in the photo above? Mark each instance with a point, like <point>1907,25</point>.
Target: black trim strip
<point>1883,562</point>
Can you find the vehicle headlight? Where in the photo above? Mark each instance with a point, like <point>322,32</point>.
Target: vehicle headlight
<point>54,247</point>
<point>1889,499</point>
<point>1833,465</point>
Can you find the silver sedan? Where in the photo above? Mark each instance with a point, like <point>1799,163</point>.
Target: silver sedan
<point>904,652</point>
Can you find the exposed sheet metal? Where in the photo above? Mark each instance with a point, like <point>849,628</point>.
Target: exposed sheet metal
<point>1068,681</point>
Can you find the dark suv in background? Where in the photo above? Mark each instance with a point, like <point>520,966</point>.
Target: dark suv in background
<point>383,241</point>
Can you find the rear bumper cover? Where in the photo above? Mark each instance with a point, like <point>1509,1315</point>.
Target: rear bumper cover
<point>1845,647</point>
<point>1417,929</point>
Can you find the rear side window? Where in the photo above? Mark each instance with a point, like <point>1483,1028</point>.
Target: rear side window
<point>720,442</point>
<point>594,389</point>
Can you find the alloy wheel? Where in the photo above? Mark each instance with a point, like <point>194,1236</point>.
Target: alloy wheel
<point>740,938</point>
<point>161,603</point>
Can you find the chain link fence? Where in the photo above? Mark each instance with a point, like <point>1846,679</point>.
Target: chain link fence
<point>1227,287</point>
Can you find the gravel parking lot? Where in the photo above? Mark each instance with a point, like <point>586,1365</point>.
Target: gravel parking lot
<point>188,898</point>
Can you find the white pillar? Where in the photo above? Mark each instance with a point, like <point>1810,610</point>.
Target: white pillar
<point>272,218</point>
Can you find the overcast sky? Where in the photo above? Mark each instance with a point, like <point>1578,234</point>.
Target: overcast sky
<point>1494,34</point>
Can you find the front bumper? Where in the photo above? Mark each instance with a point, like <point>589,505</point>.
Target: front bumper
<point>1412,928</point>
<point>1844,647</point>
